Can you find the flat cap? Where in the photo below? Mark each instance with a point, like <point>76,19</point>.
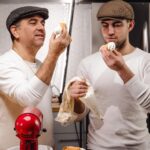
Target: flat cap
<point>115,9</point>
<point>25,12</point>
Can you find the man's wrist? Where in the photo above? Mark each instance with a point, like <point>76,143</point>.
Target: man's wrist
<point>52,56</point>
<point>79,107</point>
<point>125,73</point>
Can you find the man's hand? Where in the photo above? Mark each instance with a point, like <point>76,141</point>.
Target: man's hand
<point>115,61</point>
<point>59,43</point>
<point>56,46</point>
<point>78,89</point>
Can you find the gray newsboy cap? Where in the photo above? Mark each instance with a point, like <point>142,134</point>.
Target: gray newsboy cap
<point>25,12</point>
<point>115,9</point>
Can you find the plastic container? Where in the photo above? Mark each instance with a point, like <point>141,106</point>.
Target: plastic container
<point>40,147</point>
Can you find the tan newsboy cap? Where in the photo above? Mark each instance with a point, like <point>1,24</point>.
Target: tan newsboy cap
<point>115,9</point>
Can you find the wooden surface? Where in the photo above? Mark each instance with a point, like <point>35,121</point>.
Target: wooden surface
<point>55,106</point>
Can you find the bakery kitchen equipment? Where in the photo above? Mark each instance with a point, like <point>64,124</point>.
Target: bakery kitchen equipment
<point>28,128</point>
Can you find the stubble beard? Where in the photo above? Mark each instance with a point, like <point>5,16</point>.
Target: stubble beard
<point>120,45</point>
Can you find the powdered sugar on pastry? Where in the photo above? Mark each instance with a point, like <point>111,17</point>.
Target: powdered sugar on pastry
<point>59,28</point>
<point>111,46</point>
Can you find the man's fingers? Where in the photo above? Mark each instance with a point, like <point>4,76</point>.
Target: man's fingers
<point>53,36</point>
<point>77,96</point>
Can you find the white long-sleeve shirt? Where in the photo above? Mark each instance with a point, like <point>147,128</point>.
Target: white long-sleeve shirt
<point>123,106</point>
<point>20,87</point>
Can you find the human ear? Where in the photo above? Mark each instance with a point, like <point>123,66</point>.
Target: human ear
<point>131,25</point>
<point>14,31</point>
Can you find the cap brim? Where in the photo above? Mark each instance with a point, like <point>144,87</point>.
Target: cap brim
<point>111,18</point>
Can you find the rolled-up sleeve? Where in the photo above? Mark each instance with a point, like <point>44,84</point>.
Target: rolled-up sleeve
<point>14,83</point>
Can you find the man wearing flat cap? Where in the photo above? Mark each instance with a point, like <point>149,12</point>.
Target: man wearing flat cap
<point>24,80</point>
<point>120,76</point>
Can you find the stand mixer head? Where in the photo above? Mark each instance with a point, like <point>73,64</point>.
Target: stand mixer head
<point>28,127</point>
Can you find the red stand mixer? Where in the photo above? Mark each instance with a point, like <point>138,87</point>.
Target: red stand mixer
<point>28,127</point>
